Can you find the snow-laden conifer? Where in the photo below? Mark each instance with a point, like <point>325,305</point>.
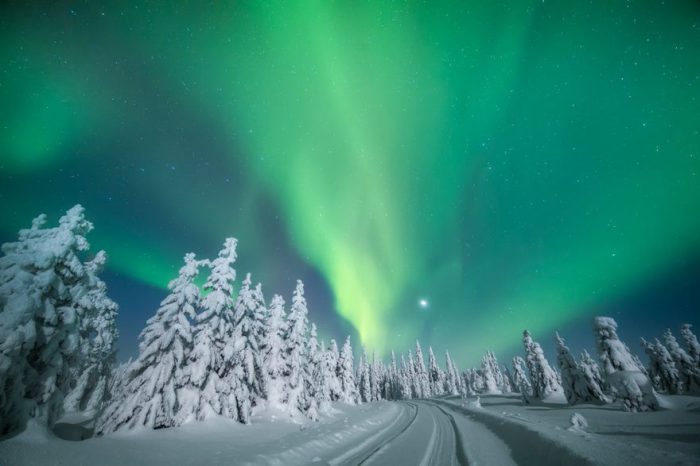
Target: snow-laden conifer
<point>345,371</point>
<point>151,397</point>
<point>296,340</point>
<point>211,358</point>
<point>662,368</point>
<point>451,378</point>
<point>622,373</point>
<point>274,354</point>
<point>421,373</point>
<point>577,387</point>
<point>544,380</point>
<point>520,380</point>
<point>42,279</point>
<point>687,368</point>
<point>691,343</point>
<point>98,338</point>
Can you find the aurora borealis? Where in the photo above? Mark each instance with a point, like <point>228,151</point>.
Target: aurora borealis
<point>516,164</point>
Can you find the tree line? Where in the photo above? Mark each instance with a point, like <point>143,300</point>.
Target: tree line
<point>211,351</point>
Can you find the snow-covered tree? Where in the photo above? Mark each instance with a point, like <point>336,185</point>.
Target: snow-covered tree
<point>686,365</point>
<point>151,397</point>
<point>622,373</point>
<point>249,316</point>
<point>544,380</point>
<point>296,339</point>
<point>42,282</point>
<point>451,377</point>
<point>520,379</point>
<point>691,343</point>
<point>404,380</point>
<point>213,349</point>
<point>312,376</point>
<point>98,337</point>
<point>345,372</point>
<point>488,367</point>
<point>577,387</point>
<point>332,361</point>
<point>422,382</point>
<point>436,377</point>
<point>274,354</point>
<point>662,369</point>
<point>363,376</point>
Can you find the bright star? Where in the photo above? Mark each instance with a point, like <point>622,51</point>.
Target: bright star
<point>423,303</point>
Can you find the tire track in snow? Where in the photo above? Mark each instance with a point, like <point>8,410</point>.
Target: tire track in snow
<point>527,446</point>
<point>385,445</point>
<point>460,454</point>
<point>351,456</point>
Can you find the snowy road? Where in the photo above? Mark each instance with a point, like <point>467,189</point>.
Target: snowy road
<point>416,432</point>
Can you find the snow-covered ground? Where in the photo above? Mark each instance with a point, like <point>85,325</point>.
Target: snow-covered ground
<point>498,430</point>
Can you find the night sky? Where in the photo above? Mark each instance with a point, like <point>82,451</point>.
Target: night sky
<point>513,164</point>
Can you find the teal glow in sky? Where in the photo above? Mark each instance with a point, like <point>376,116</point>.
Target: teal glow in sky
<point>514,164</point>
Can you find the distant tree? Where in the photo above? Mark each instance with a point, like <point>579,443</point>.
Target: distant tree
<point>345,371</point>
<point>363,377</point>
<point>488,375</point>
<point>622,373</point>
<point>520,379</point>
<point>451,377</point>
<point>691,343</point>
<point>332,360</point>
<point>97,314</point>
<point>421,374</point>
<point>662,369</point>
<point>151,394</point>
<point>274,355</point>
<point>545,381</point>
<point>687,368</point>
<point>296,338</point>
<point>577,387</point>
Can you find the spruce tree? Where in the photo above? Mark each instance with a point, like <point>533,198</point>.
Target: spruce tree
<point>42,285</point>
<point>622,372</point>
<point>345,371</point>
<point>544,380</point>
<point>577,387</point>
<point>151,394</point>
<point>687,368</point>
<point>274,354</point>
<point>296,339</point>
<point>691,343</point>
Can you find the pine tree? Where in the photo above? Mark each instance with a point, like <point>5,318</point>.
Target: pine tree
<point>213,347</point>
<point>346,375</point>
<point>544,380</point>
<point>247,374</point>
<point>421,374</point>
<point>662,369</point>
<point>577,387</point>
<point>691,343</point>
<point>364,378</point>
<point>488,375</point>
<point>687,368</point>
<point>42,280</point>
<point>296,339</point>
<point>274,354</point>
<point>332,361</point>
<point>451,380</point>
<point>312,376</point>
<point>98,337</point>
<point>520,379</point>
<point>622,373</point>
<point>151,395</point>
<point>435,375</point>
